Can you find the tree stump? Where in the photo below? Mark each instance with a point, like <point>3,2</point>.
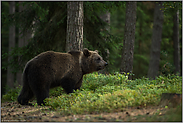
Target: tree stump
<point>170,99</point>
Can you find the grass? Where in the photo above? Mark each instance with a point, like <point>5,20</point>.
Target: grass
<point>108,93</point>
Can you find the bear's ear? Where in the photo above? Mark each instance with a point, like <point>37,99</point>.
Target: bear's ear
<point>96,51</point>
<point>86,52</point>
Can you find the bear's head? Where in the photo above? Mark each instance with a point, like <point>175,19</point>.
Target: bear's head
<point>91,61</point>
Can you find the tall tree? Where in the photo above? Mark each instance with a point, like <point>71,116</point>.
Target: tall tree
<point>10,75</point>
<point>22,41</point>
<point>129,38</point>
<point>156,41</point>
<point>106,18</point>
<point>176,42</point>
<point>74,39</point>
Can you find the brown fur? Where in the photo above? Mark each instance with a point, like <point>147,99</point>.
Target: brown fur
<point>50,69</point>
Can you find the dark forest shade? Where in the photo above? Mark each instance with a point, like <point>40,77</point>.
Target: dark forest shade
<point>176,42</point>
<point>10,75</point>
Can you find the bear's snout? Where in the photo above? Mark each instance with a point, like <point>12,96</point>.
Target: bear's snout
<point>100,67</point>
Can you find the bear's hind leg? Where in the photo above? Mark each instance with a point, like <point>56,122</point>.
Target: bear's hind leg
<point>25,95</point>
<point>41,94</point>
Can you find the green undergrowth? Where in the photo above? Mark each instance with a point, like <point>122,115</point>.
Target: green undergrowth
<point>108,93</point>
<point>11,95</point>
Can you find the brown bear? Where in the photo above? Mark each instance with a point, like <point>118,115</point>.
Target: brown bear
<point>50,69</point>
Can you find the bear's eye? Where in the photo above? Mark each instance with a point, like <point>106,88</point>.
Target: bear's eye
<point>98,59</point>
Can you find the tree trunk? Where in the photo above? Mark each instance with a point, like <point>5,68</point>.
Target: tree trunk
<point>176,43</point>
<point>106,18</point>
<point>74,39</point>
<point>10,75</point>
<point>22,41</point>
<point>140,42</point>
<point>156,41</point>
<point>129,38</point>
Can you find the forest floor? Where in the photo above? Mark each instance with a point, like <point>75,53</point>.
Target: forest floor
<point>14,112</point>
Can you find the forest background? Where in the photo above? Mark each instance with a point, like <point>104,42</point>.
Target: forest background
<point>42,26</point>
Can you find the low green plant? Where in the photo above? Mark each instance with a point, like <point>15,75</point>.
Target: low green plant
<point>11,95</point>
<point>107,93</point>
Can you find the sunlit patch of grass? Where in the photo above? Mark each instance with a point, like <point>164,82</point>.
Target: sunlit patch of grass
<point>107,93</point>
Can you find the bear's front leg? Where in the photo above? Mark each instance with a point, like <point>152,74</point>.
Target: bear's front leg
<point>68,84</point>
<point>78,84</point>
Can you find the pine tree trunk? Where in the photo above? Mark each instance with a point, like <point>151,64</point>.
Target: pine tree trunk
<point>156,41</point>
<point>140,42</point>
<point>74,39</point>
<point>22,41</point>
<point>106,18</point>
<point>10,75</point>
<point>129,38</point>
<point>176,43</point>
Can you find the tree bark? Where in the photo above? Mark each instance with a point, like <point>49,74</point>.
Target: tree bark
<point>176,42</point>
<point>74,39</point>
<point>140,42</point>
<point>10,75</point>
<point>106,18</point>
<point>22,41</point>
<point>156,41</point>
<point>129,38</point>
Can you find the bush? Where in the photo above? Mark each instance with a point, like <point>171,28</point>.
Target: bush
<point>107,93</point>
<point>11,95</point>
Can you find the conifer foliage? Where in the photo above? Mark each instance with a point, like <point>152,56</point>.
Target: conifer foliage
<point>48,23</point>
